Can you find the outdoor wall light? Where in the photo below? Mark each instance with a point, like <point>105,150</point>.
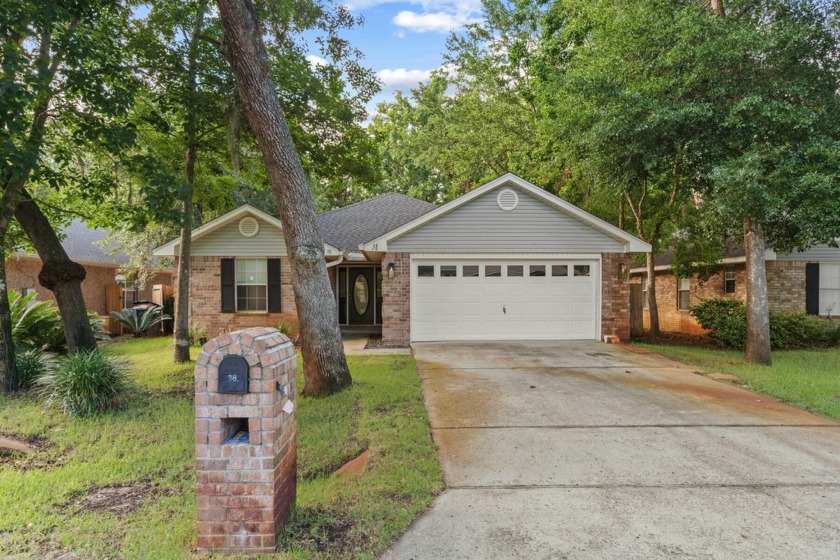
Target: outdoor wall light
<point>622,270</point>
<point>391,268</point>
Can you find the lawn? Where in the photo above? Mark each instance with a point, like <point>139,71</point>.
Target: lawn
<point>123,485</point>
<point>809,379</point>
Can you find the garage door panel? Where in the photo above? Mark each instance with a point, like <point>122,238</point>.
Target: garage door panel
<point>535,307</point>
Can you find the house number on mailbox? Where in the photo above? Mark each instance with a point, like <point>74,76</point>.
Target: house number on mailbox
<point>233,375</point>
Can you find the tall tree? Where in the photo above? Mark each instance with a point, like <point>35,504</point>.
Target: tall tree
<point>325,367</point>
<point>60,76</point>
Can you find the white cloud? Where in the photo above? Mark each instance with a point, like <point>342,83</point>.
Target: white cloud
<point>316,61</point>
<point>401,79</point>
<point>440,22</point>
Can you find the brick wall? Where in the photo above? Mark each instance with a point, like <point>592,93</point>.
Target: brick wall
<point>615,295</point>
<point>245,491</point>
<point>206,299</point>
<point>396,300</point>
<point>785,285</point>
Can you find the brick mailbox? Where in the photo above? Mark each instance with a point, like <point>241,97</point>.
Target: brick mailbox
<point>245,440</point>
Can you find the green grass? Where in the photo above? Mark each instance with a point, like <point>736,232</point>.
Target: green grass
<point>809,379</point>
<point>151,444</point>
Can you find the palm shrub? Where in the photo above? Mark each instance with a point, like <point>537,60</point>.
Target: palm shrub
<point>32,363</point>
<point>87,382</point>
<point>35,324</point>
<point>58,342</point>
<point>139,322</point>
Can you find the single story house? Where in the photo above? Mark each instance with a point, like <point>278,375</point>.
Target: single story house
<point>807,281</point>
<point>506,261</point>
<point>83,245</point>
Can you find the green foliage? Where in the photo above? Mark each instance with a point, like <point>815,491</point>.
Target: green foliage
<point>139,322</point>
<point>195,333</point>
<point>726,320</point>
<point>35,324</point>
<point>32,363</point>
<point>87,383</point>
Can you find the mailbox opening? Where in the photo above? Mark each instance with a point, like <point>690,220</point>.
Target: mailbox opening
<point>235,430</point>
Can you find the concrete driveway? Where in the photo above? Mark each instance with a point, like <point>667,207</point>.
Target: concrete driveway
<point>585,450</point>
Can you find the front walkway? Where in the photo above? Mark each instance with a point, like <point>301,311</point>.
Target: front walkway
<point>585,450</point>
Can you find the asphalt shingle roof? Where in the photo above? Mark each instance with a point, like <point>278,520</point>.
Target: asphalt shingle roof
<point>348,227</point>
<point>81,243</point>
<point>731,249</point>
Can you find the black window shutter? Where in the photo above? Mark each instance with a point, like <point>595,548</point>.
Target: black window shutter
<point>273,270</point>
<point>812,288</point>
<point>228,286</point>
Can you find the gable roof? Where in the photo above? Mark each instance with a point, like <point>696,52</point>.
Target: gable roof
<point>350,227</point>
<point>632,244</point>
<point>169,249</point>
<point>82,244</point>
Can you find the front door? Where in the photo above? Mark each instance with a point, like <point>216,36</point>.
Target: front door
<point>361,290</point>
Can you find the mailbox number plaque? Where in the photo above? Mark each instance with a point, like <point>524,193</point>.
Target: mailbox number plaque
<point>233,375</point>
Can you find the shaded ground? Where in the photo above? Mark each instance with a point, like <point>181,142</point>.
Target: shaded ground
<point>586,450</point>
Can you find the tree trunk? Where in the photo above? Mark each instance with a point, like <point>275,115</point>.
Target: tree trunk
<point>59,274</point>
<point>653,308</point>
<point>325,367</point>
<point>8,369</point>
<point>182,301</point>
<point>758,310</point>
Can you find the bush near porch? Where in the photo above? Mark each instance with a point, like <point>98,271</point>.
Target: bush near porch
<point>122,485</point>
<point>808,379</point>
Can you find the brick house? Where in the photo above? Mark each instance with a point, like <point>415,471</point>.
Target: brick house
<point>506,261</point>
<point>805,281</point>
<point>82,244</point>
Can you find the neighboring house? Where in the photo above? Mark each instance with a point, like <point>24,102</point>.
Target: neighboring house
<point>805,281</point>
<point>507,261</point>
<point>82,245</point>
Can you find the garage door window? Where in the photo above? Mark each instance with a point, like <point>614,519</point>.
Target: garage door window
<point>493,270</point>
<point>581,270</point>
<point>471,271</point>
<point>537,270</point>
<point>559,270</point>
<point>448,271</point>
<point>514,270</point>
<point>426,271</point>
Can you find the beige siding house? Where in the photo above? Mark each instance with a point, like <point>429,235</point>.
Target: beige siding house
<point>507,261</point>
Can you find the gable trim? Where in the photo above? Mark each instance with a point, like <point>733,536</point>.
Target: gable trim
<point>168,249</point>
<point>631,243</point>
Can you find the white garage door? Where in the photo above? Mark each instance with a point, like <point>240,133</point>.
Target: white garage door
<point>504,299</point>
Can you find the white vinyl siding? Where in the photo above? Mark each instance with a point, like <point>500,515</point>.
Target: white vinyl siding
<point>830,289</point>
<point>227,241</point>
<point>817,253</point>
<point>251,285</point>
<point>481,226</point>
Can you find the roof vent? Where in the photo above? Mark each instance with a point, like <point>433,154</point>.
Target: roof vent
<point>507,199</point>
<point>249,226</point>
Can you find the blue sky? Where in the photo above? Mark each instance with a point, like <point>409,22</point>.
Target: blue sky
<point>404,41</point>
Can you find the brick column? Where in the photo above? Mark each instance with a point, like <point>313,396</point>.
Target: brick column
<point>245,491</point>
<point>615,296</point>
<point>396,300</point>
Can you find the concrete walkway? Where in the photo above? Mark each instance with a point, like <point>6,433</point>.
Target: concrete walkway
<point>585,450</point>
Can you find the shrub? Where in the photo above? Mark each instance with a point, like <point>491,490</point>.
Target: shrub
<point>58,342</point>
<point>139,323</point>
<point>797,329</point>
<point>87,382</point>
<point>726,321</point>
<point>35,324</point>
<point>32,363</point>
